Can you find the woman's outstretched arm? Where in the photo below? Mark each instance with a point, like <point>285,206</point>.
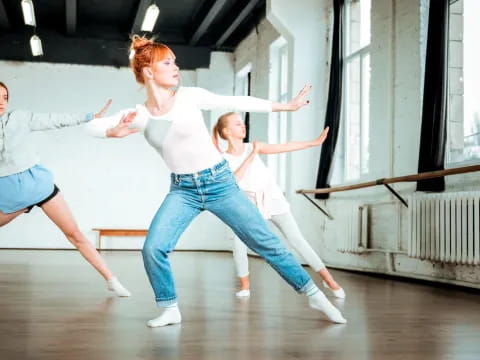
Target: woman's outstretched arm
<point>40,122</point>
<point>292,145</point>
<point>207,101</point>
<point>119,125</point>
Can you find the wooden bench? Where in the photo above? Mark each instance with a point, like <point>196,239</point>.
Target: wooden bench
<point>118,232</point>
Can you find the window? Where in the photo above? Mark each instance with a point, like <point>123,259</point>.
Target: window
<point>356,98</point>
<point>242,88</point>
<point>463,129</point>
<point>241,80</point>
<point>277,123</point>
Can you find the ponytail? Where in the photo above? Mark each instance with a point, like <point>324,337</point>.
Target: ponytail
<point>215,137</point>
<point>217,131</point>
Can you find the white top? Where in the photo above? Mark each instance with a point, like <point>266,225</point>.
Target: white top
<point>180,136</point>
<point>259,185</point>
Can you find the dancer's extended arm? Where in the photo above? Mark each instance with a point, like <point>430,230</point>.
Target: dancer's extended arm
<point>207,101</point>
<point>264,148</point>
<point>122,124</point>
<point>40,122</point>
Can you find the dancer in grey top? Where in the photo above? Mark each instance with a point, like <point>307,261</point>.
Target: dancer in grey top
<point>24,183</point>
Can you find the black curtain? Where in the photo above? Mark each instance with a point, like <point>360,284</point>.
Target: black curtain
<point>247,114</point>
<point>435,95</point>
<point>334,102</point>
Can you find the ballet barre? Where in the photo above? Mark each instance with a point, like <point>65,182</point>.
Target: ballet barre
<point>386,182</point>
<point>118,232</point>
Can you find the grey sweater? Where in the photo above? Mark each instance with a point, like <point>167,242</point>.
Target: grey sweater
<point>16,152</point>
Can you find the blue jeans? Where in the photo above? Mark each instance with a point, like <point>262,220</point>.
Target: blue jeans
<point>214,189</point>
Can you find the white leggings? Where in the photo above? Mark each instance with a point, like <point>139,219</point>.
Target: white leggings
<point>290,231</point>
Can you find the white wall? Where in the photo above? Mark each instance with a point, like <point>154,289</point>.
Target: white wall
<point>397,66</point>
<point>305,28</point>
<point>107,183</point>
<point>254,50</point>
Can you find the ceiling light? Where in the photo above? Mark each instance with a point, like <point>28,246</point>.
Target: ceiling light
<point>150,18</point>
<point>36,45</point>
<point>28,12</point>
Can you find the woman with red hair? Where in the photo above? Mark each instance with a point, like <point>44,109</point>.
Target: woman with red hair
<point>171,121</point>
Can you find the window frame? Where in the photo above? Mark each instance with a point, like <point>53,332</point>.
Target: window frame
<point>449,163</point>
<point>361,54</point>
<point>278,121</point>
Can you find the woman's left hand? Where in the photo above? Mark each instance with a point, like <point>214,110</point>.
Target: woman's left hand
<point>104,109</point>
<point>299,101</point>
<point>321,139</point>
<point>257,146</point>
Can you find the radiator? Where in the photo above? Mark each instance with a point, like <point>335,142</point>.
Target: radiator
<point>355,236</point>
<point>445,227</point>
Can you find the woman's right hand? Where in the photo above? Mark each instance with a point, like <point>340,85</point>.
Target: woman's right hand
<point>123,127</point>
<point>299,101</point>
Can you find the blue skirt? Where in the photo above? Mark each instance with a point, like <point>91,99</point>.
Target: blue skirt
<point>22,190</point>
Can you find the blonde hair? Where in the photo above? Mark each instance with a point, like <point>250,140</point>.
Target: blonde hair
<point>222,124</point>
<point>146,52</point>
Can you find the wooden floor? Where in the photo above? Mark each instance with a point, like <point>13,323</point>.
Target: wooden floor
<point>54,306</point>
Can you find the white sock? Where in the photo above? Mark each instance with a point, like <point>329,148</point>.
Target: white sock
<point>171,315</point>
<point>243,293</point>
<point>339,293</point>
<point>319,301</point>
<point>114,285</point>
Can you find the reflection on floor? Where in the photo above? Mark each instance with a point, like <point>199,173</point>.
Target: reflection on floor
<point>54,306</point>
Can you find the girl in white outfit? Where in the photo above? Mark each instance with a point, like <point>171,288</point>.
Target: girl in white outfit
<point>256,181</point>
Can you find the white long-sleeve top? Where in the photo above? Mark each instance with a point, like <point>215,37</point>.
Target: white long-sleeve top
<point>180,136</point>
